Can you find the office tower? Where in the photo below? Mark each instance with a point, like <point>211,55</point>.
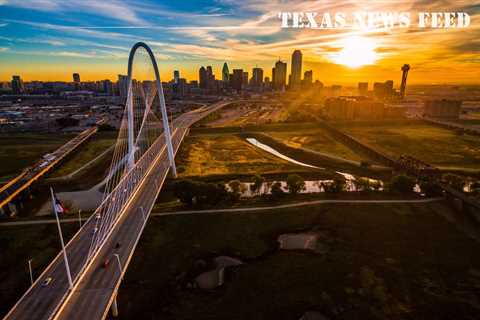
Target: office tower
<point>225,73</point>
<point>363,88</point>
<point>17,85</point>
<point>280,75</point>
<point>296,72</point>
<point>388,88</point>
<point>210,78</point>
<point>176,76</point>
<point>76,81</point>
<point>107,87</point>
<point>257,77</point>
<point>308,78</point>
<point>237,79</point>
<point>379,89</point>
<point>122,85</point>
<point>245,79</point>
<point>403,86</point>
<point>202,76</point>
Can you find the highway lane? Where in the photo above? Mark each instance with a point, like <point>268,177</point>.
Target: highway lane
<point>9,191</point>
<point>42,302</point>
<point>96,290</point>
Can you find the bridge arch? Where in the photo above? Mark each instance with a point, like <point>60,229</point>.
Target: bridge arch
<point>163,108</point>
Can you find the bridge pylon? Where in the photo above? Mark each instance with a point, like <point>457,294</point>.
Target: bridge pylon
<point>163,109</point>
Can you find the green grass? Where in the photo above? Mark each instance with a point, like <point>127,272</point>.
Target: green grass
<point>19,244</point>
<point>90,150</point>
<point>434,145</point>
<point>19,150</point>
<point>316,139</point>
<point>384,262</point>
<point>207,155</point>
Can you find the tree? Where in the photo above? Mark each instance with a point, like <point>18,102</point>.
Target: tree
<point>430,189</point>
<point>194,192</point>
<point>454,181</point>
<point>402,183</point>
<point>295,183</point>
<point>236,189</point>
<point>258,181</point>
<point>276,190</point>
<point>335,186</point>
<point>362,184</point>
<point>185,191</point>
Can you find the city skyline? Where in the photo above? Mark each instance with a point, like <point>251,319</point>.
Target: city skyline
<point>39,42</point>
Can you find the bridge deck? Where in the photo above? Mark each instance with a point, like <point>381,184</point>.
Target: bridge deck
<point>94,287</point>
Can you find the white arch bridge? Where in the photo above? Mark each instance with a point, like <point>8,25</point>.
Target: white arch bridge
<point>144,154</point>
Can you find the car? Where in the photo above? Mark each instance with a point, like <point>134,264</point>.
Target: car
<point>46,282</point>
<point>97,216</point>
<point>105,263</point>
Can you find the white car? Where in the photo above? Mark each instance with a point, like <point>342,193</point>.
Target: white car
<point>46,282</point>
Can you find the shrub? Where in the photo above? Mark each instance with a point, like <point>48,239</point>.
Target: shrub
<point>295,183</point>
<point>402,183</point>
<point>258,180</point>
<point>276,190</point>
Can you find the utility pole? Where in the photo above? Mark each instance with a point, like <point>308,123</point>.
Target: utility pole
<point>67,267</point>
<point>80,218</point>
<point>30,269</point>
<point>119,263</point>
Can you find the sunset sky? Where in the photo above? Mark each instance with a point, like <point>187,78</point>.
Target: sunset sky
<point>51,39</point>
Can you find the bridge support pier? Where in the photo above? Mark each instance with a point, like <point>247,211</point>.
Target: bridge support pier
<point>114,307</point>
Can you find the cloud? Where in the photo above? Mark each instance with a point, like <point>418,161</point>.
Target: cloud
<point>3,49</point>
<point>107,8</point>
<point>3,24</point>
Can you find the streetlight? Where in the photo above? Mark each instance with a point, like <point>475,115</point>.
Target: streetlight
<point>119,263</point>
<point>30,269</point>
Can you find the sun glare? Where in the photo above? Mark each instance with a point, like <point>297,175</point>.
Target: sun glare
<point>356,51</point>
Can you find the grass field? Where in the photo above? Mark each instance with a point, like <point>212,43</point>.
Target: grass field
<point>212,154</point>
<point>438,146</point>
<point>382,262</point>
<point>316,139</point>
<point>19,150</point>
<point>19,244</point>
<point>94,147</point>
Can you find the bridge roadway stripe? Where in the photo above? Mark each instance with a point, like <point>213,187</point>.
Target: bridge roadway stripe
<point>162,160</point>
<point>112,230</point>
<point>88,286</point>
<point>56,261</point>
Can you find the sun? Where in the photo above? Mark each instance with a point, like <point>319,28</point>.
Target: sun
<point>356,51</point>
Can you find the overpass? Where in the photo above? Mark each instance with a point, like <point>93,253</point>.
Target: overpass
<point>14,187</point>
<point>149,145</point>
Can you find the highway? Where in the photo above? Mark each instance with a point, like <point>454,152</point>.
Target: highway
<point>94,286</point>
<point>13,188</point>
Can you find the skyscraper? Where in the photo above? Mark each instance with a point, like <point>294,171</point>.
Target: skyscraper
<point>362,88</point>
<point>245,79</point>
<point>225,73</point>
<point>202,76</point>
<point>176,76</point>
<point>296,75</point>
<point>308,77</point>
<point>257,77</point>
<point>237,79</point>
<point>280,75</point>
<point>17,85</point>
<point>122,85</point>
<point>76,81</point>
